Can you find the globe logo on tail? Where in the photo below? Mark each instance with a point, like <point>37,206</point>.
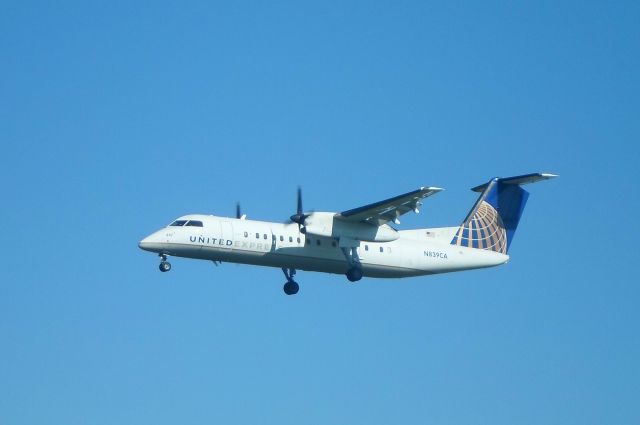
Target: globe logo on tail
<point>483,230</point>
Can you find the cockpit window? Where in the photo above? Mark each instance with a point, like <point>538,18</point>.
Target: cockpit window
<point>178,223</point>
<point>194,223</point>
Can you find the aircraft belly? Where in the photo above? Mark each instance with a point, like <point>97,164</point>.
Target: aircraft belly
<point>184,250</point>
<point>406,261</point>
<point>330,262</point>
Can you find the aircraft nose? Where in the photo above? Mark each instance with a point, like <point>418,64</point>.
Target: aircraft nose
<point>144,243</point>
<point>148,244</point>
<point>155,242</point>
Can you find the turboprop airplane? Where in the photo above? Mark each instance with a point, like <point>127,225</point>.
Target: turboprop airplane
<point>357,242</point>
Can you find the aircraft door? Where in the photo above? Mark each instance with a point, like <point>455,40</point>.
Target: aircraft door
<point>363,251</point>
<point>226,235</point>
<point>273,241</point>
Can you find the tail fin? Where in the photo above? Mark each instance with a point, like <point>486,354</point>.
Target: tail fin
<point>493,220</point>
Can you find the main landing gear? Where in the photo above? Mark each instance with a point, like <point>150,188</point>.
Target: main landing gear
<point>165,266</point>
<point>291,287</point>
<point>354,273</point>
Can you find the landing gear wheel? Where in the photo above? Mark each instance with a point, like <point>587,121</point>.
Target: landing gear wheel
<point>291,288</point>
<point>354,274</point>
<point>165,266</point>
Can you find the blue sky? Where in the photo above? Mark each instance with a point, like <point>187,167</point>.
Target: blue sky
<point>116,117</point>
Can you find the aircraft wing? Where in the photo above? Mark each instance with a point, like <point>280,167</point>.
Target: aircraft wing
<point>390,209</point>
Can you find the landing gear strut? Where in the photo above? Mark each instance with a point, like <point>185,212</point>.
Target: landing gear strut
<point>291,287</point>
<point>165,266</point>
<point>354,273</point>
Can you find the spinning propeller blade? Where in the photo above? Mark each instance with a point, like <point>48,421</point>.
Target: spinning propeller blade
<point>299,217</point>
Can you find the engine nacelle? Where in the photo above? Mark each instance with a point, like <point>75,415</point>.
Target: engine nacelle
<point>327,224</point>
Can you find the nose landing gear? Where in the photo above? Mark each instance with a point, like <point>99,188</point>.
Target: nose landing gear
<point>164,266</point>
<point>291,287</point>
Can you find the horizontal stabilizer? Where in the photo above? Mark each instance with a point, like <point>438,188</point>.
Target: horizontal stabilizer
<point>519,180</point>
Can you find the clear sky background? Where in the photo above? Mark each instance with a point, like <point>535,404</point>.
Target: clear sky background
<point>116,117</point>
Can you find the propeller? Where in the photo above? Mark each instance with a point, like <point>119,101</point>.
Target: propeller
<point>299,217</point>
<point>239,214</point>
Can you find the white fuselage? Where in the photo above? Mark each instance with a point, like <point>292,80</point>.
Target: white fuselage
<point>414,253</point>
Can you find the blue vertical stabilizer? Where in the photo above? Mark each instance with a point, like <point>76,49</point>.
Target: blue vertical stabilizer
<point>493,220</point>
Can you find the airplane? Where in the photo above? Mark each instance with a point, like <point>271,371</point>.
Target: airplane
<point>359,242</point>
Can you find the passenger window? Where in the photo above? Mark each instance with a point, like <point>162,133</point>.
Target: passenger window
<point>366,247</point>
<point>298,239</point>
<point>257,235</point>
<point>318,242</point>
<point>194,223</point>
<point>290,238</point>
<point>265,236</point>
<point>381,249</point>
<point>178,223</point>
<point>246,234</point>
<point>308,241</point>
<point>281,238</point>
